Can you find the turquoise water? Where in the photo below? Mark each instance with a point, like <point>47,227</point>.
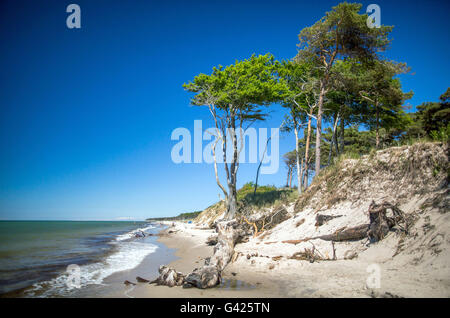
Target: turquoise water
<point>34,253</point>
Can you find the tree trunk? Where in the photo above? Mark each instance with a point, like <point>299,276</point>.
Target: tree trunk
<point>308,138</point>
<point>301,174</point>
<point>231,175</point>
<point>297,160</point>
<point>333,138</point>
<point>319,127</point>
<point>342,134</point>
<point>288,176</point>
<point>231,204</point>
<point>377,127</point>
<point>259,167</point>
<point>336,144</point>
<point>355,233</point>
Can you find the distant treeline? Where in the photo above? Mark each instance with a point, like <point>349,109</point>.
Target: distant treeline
<point>182,216</point>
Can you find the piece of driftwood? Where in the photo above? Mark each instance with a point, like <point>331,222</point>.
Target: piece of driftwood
<point>127,282</point>
<point>168,277</point>
<point>295,242</point>
<point>142,280</point>
<point>209,275</point>
<point>322,218</point>
<point>310,254</point>
<point>351,234</point>
<point>307,255</point>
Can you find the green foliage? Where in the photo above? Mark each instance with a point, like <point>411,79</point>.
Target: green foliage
<point>432,120</point>
<point>442,134</point>
<point>342,32</point>
<point>290,159</point>
<point>300,80</point>
<point>435,116</point>
<point>265,195</point>
<point>240,87</point>
<point>355,140</point>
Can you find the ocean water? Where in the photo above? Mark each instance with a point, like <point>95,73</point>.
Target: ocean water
<point>35,255</point>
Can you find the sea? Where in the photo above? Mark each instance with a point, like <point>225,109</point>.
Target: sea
<point>69,258</point>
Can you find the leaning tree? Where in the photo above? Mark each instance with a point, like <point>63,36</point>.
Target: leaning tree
<point>300,102</point>
<point>234,96</point>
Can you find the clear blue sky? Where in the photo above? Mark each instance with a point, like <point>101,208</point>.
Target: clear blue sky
<point>86,115</point>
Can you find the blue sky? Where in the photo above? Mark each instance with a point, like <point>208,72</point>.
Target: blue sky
<point>86,115</point>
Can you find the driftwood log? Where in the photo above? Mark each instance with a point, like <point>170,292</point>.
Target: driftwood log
<point>209,275</point>
<point>168,277</point>
<point>322,219</point>
<point>142,280</point>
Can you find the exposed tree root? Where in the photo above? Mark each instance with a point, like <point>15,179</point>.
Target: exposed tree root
<point>253,224</point>
<point>381,223</point>
<point>322,219</point>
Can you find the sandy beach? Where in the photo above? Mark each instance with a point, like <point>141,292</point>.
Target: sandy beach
<point>258,272</point>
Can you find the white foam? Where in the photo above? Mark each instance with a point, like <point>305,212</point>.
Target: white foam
<point>131,234</point>
<point>128,256</point>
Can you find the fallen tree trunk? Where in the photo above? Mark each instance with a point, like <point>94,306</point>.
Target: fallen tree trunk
<point>321,219</point>
<point>355,233</point>
<point>209,275</point>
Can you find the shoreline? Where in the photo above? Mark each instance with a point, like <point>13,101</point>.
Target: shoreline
<point>265,270</point>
